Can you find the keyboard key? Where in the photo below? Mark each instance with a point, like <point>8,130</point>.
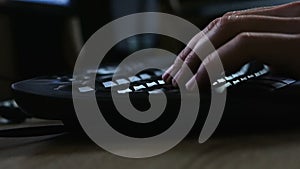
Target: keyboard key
<point>243,78</point>
<point>222,88</point>
<point>109,84</point>
<point>228,84</point>
<point>85,89</point>
<point>145,76</point>
<point>278,85</point>
<point>279,79</point>
<point>235,75</point>
<point>236,82</point>
<point>228,78</point>
<point>134,78</point>
<point>59,87</point>
<point>157,91</point>
<point>221,80</point>
<point>264,71</point>
<point>139,87</point>
<point>288,81</point>
<point>271,83</point>
<point>124,91</point>
<point>106,70</point>
<point>161,82</point>
<point>151,84</point>
<point>158,73</point>
<point>250,76</point>
<point>122,81</point>
<point>257,74</point>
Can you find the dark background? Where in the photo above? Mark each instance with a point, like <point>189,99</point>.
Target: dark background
<point>42,39</point>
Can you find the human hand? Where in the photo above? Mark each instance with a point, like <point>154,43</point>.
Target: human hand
<point>270,35</point>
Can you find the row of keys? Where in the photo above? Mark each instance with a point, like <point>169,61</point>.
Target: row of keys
<point>131,79</point>
<point>133,88</point>
<point>139,82</point>
<point>83,86</point>
<point>231,82</point>
<point>144,77</point>
<point>142,86</point>
<point>238,77</point>
<point>142,81</point>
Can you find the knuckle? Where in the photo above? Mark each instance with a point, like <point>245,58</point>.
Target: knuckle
<point>225,22</point>
<point>290,6</point>
<point>243,43</point>
<point>297,38</point>
<point>221,22</point>
<point>230,13</point>
<point>295,4</point>
<point>213,23</point>
<point>244,37</point>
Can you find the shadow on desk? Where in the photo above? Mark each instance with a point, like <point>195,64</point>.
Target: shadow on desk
<point>276,149</point>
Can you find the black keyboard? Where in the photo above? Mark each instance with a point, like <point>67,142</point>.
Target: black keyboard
<point>147,82</point>
<point>252,93</point>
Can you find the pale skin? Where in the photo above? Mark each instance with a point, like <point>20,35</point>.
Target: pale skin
<point>270,35</point>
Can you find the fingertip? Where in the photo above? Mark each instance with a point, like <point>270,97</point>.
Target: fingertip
<point>174,82</point>
<point>200,80</point>
<point>165,76</point>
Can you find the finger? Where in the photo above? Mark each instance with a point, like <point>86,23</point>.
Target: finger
<point>192,62</point>
<point>280,51</point>
<point>230,27</point>
<point>172,70</point>
<point>188,50</point>
<point>218,35</point>
<point>169,74</point>
<point>285,10</point>
<point>202,49</point>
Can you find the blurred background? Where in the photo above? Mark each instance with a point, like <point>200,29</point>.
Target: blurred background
<point>44,37</point>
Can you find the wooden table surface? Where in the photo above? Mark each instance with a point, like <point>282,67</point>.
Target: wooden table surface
<point>274,150</point>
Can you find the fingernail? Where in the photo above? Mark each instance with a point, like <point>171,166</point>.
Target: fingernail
<point>174,83</point>
<point>165,76</point>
